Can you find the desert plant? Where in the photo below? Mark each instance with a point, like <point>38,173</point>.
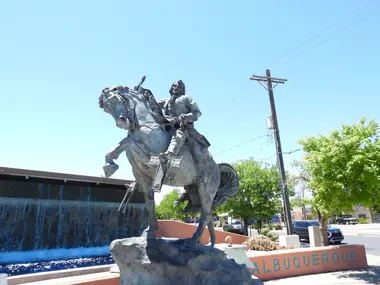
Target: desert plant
<point>267,233</point>
<point>262,243</point>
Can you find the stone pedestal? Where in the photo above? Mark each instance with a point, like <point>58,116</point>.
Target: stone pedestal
<point>315,236</point>
<point>168,262</point>
<point>290,241</point>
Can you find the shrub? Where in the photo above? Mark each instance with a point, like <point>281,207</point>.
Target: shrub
<point>262,243</point>
<point>267,233</point>
<point>278,227</point>
<point>269,226</point>
<point>363,221</point>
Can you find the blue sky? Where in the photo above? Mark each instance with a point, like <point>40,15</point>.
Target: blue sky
<point>57,56</point>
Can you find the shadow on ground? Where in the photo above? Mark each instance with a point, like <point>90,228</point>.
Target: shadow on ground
<point>370,275</point>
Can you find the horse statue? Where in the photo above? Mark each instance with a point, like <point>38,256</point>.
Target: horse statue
<point>207,184</point>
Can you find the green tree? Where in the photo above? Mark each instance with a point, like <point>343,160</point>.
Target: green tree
<point>167,210</point>
<point>343,169</point>
<point>298,201</point>
<point>259,192</point>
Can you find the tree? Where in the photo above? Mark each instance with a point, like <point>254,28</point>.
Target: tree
<point>167,210</point>
<point>259,192</point>
<point>300,202</point>
<point>343,169</point>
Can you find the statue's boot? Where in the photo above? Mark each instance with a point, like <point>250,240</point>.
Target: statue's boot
<point>176,142</point>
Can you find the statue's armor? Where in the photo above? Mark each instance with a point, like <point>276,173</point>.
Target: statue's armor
<point>185,106</point>
<point>180,106</point>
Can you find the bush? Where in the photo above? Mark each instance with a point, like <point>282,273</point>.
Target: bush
<point>267,233</point>
<point>269,226</point>
<point>262,243</point>
<point>363,221</point>
<point>278,227</point>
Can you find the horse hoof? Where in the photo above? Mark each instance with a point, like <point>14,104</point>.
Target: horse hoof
<point>191,244</point>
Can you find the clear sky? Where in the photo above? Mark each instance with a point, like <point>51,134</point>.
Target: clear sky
<point>57,56</point>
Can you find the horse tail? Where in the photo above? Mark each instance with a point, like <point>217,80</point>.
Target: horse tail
<point>228,187</point>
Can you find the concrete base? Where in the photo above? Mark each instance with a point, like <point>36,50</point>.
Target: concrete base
<point>291,241</point>
<point>236,252</point>
<point>115,269</point>
<point>315,237</point>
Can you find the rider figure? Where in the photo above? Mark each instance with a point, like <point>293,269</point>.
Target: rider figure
<point>182,112</point>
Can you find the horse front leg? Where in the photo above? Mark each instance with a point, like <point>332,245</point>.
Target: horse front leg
<point>110,166</point>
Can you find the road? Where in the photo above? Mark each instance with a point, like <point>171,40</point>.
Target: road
<point>371,242</point>
<point>368,235</point>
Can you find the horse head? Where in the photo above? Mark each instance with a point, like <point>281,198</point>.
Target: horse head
<point>128,107</point>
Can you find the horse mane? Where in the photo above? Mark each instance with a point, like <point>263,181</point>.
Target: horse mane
<point>150,102</point>
<point>153,105</point>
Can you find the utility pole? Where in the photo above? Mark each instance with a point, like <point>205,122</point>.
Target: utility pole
<point>280,161</point>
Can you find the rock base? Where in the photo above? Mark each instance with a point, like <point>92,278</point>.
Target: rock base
<point>168,262</point>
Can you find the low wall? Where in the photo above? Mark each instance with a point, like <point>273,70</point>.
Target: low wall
<point>288,263</point>
<point>105,278</point>
<point>176,229</point>
<point>61,276</point>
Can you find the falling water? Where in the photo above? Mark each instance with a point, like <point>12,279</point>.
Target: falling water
<point>60,218</point>
<point>45,223</point>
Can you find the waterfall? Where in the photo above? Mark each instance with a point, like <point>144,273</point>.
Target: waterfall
<point>51,220</point>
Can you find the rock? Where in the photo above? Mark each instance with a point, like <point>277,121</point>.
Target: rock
<point>168,262</point>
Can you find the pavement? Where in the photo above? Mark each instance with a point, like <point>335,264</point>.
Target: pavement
<point>365,276</point>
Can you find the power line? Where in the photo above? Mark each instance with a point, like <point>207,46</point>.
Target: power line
<point>267,143</point>
<point>315,36</point>
<point>303,43</point>
<point>228,106</point>
<point>287,152</point>
<point>315,46</point>
<point>239,145</point>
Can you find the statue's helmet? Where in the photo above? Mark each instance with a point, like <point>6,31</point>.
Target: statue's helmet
<point>177,88</point>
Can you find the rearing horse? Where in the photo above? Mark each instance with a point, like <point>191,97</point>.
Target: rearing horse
<point>207,184</point>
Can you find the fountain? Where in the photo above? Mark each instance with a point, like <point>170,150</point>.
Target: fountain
<point>48,225</point>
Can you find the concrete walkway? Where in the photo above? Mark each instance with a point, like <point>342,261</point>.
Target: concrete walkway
<point>368,276</point>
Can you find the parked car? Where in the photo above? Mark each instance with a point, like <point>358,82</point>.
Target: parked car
<point>301,228</point>
<point>235,225</point>
<point>346,220</point>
